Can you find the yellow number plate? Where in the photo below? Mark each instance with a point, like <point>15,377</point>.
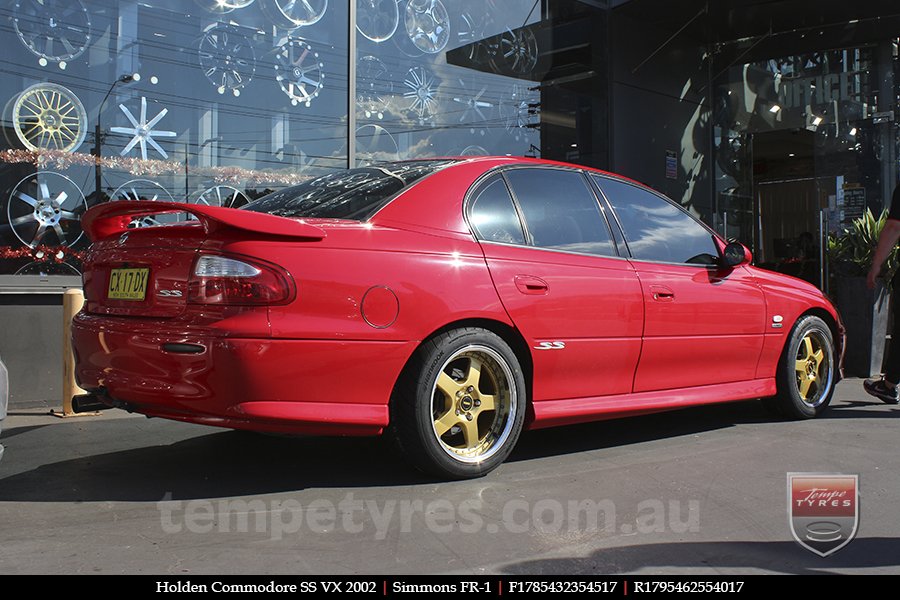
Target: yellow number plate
<point>128,284</point>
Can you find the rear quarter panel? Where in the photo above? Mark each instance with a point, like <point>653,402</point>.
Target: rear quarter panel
<point>435,280</point>
<point>370,293</point>
<point>418,247</point>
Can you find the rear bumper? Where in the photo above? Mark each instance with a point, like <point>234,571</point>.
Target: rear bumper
<point>317,387</point>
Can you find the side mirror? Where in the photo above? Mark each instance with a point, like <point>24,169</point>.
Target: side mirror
<point>736,254</point>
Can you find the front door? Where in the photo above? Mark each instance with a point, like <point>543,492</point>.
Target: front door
<point>704,323</point>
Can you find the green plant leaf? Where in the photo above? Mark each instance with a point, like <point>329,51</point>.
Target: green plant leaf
<point>854,249</point>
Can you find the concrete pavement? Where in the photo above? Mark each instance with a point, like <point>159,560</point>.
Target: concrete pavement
<point>695,491</point>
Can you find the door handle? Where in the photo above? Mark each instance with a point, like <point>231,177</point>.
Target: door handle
<point>529,284</point>
<point>661,293</point>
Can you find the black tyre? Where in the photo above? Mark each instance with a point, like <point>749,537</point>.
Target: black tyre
<point>806,372</point>
<point>459,407</point>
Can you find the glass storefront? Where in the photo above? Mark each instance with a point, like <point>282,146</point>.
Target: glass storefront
<point>769,138</point>
<point>802,148</point>
<point>439,78</point>
<point>221,101</point>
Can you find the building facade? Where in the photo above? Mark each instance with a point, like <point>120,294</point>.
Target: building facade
<point>772,121</point>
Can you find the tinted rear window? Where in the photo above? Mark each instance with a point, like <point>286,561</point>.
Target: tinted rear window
<point>560,212</point>
<point>350,194</point>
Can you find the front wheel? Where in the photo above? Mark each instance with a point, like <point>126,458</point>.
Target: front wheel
<point>460,405</point>
<point>806,373</point>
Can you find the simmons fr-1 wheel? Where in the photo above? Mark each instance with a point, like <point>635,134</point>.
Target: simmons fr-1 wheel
<point>459,409</point>
<point>806,373</point>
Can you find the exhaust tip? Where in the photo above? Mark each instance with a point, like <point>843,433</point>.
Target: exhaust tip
<point>85,403</point>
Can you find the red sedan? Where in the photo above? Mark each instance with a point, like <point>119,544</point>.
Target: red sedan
<point>448,303</point>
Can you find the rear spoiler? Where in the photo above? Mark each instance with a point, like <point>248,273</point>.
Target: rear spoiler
<point>112,218</point>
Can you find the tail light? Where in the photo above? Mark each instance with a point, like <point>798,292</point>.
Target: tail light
<point>224,280</point>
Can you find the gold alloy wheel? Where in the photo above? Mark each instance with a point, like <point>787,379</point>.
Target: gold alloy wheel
<point>47,116</point>
<point>474,404</point>
<point>813,368</point>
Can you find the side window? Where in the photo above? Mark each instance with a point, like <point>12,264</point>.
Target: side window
<point>560,212</point>
<point>657,230</point>
<point>493,215</point>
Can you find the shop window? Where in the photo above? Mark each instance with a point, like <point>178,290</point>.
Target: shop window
<point>221,103</point>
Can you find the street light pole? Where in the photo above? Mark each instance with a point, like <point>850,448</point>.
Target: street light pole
<point>98,135</point>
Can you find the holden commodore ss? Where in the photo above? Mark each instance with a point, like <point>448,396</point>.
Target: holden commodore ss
<point>447,303</point>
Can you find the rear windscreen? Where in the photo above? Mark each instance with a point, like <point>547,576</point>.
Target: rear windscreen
<point>350,194</point>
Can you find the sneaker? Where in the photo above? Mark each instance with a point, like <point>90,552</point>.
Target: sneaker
<point>880,390</point>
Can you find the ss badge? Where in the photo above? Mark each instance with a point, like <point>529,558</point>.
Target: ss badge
<point>550,346</point>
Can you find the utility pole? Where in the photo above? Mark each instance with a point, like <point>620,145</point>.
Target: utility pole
<point>98,134</point>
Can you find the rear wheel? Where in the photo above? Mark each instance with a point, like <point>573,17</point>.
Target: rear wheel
<point>806,373</point>
<point>459,408</point>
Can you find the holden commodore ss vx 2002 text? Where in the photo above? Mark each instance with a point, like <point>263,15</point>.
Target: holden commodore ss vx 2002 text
<point>449,303</point>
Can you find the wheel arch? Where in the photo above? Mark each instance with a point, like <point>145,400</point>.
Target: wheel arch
<point>508,334</point>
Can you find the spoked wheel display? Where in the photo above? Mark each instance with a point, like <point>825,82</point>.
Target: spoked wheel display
<point>298,71</point>
<point>374,87</point>
<point>290,14</point>
<point>806,375</point>
<point>516,52</point>
<point>221,195</point>
<point>53,30</point>
<point>377,20</point>
<point>474,151</point>
<point>460,408</point>
<point>48,267</point>
<point>421,93</point>
<point>516,111</point>
<point>227,58</point>
<point>47,116</point>
<point>427,25</point>
<point>46,208</point>
<point>145,189</point>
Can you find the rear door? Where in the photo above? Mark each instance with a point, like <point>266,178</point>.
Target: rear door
<point>704,323</point>
<point>559,276</point>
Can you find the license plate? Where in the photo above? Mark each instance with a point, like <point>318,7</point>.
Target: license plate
<point>128,284</point>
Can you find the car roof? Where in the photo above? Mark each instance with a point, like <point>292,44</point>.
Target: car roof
<point>446,189</point>
<point>497,161</point>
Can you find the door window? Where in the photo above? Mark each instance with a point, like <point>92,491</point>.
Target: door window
<point>560,211</point>
<point>657,230</point>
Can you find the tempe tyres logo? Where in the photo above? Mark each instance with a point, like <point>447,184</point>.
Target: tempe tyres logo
<point>823,510</point>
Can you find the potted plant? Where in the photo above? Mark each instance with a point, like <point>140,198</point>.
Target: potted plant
<point>865,312</point>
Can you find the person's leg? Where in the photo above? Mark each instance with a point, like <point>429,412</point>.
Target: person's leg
<point>892,365</point>
<point>886,389</point>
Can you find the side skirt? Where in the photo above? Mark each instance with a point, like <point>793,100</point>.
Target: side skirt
<point>550,413</point>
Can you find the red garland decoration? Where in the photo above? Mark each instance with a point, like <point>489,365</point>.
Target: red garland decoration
<point>61,160</point>
<point>56,254</point>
